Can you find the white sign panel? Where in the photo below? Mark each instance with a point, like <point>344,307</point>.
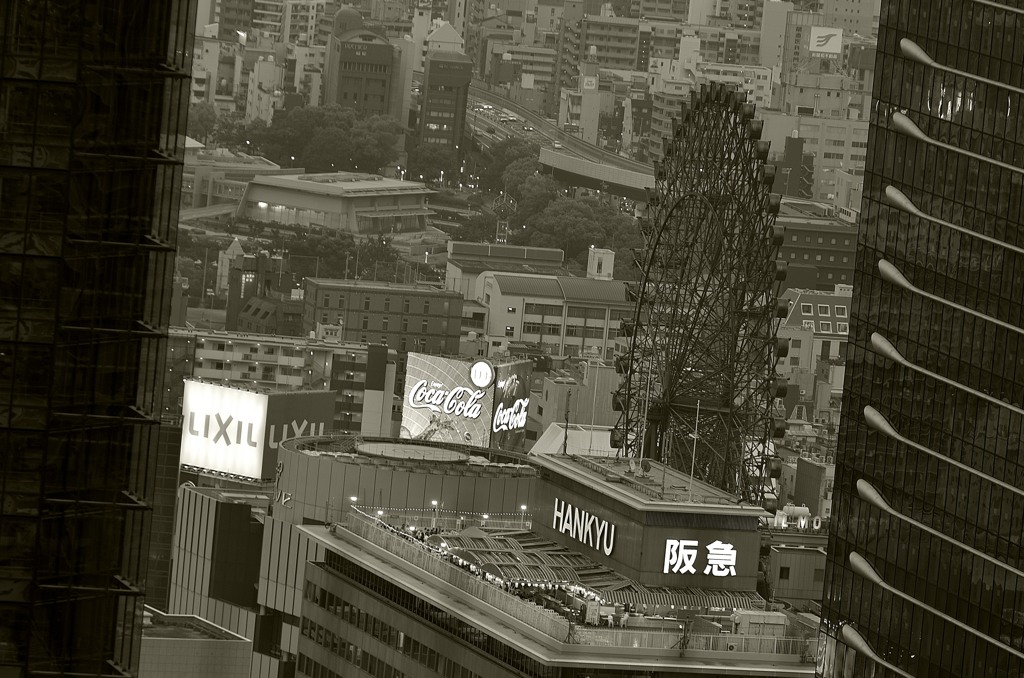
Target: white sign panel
<point>826,42</point>
<point>681,558</point>
<point>223,429</point>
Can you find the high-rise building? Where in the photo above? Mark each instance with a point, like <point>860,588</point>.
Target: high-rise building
<point>926,556</point>
<point>363,70</point>
<point>445,93</point>
<point>92,130</point>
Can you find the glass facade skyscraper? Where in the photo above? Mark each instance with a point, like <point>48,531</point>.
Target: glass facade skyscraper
<point>93,99</point>
<point>926,553</point>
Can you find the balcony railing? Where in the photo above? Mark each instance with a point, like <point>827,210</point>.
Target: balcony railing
<point>557,627</point>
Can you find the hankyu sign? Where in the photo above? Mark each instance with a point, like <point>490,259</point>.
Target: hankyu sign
<point>681,558</point>
<point>231,430</point>
<point>583,526</point>
<point>826,42</point>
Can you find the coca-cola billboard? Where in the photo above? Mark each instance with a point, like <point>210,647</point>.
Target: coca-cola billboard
<point>451,400</point>
<point>511,405</point>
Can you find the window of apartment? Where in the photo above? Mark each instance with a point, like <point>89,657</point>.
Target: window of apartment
<point>794,361</point>
<point>840,311</point>
<point>384,323</point>
<point>365,322</point>
<point>823,309</point>
<point>510,331</point>
<point>825,326</point>
<point>793,238</point>
<point>843,328</point>
<point>405,306</point>
<point>496,343</point>
<point>424,324</point>
<point>808,324</point>
<point>323,317</point>
<point>783,574</point>
<point>327,300</point>
<point>366,303</point>
<point>402,343</point>
<point>806,309</point>
<point>405,324</point>
<point>426,307</point>
<point>819,575</point>
<point>795,343</point>
<point>387,303</point>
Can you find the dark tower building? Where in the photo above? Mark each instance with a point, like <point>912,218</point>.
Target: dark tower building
<point>93,98</point>
<point>445,93</point>
<point>927,539</point>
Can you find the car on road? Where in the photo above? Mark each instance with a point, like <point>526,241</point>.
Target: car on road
<point>527,128</point>
<point>556,145</point>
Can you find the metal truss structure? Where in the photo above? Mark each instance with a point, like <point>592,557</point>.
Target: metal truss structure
<point>698,384</point>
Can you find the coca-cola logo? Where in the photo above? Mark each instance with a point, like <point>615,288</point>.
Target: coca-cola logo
<point>511,418</point>
<point>460,401</point>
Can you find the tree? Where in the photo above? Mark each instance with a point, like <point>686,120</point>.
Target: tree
<point>328,150</point>
<point>429,161</point>
<point>202,121</point>
<point>377,259</point>
<point>536,193</point>
<point>517,172</point>
<point>565,224</point>
<point>502,154</point>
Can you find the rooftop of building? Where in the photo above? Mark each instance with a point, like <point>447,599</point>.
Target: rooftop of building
<point>157,624</point>
<point>343,184</point>
<point>642,484</point>
<point>341,283</point>
<point>391,450</point>
<point>539,590</point>
<point>223,157</point>
<point>565,288</point>
<point>487,252</point>
<point>277,340</point>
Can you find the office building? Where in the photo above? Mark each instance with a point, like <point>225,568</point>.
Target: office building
<point>562,316</point>
<point>364,71</point>
<point>925,571</point>
<point>820,249</point>
<point>362,376</point>
<point>445,94</point>
<point>186,645</point>
<point>337,202</point>
<point>404,317</point>
<point>480,571</point>
<point>240,559</point>
<point>92,129</point>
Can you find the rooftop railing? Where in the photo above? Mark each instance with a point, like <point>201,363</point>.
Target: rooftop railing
<point>554,625</point>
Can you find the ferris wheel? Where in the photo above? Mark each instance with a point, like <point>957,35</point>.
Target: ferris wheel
<point>698,384</point>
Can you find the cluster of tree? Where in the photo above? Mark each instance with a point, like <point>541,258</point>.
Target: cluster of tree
<point>317,138</point>
<point>427,163</point>
<point>546,217</point>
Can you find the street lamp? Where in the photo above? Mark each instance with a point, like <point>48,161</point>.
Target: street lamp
<point>433,520</point>
<point>522,507</point>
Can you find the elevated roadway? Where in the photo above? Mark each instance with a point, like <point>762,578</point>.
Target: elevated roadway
<point>577,163</point>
